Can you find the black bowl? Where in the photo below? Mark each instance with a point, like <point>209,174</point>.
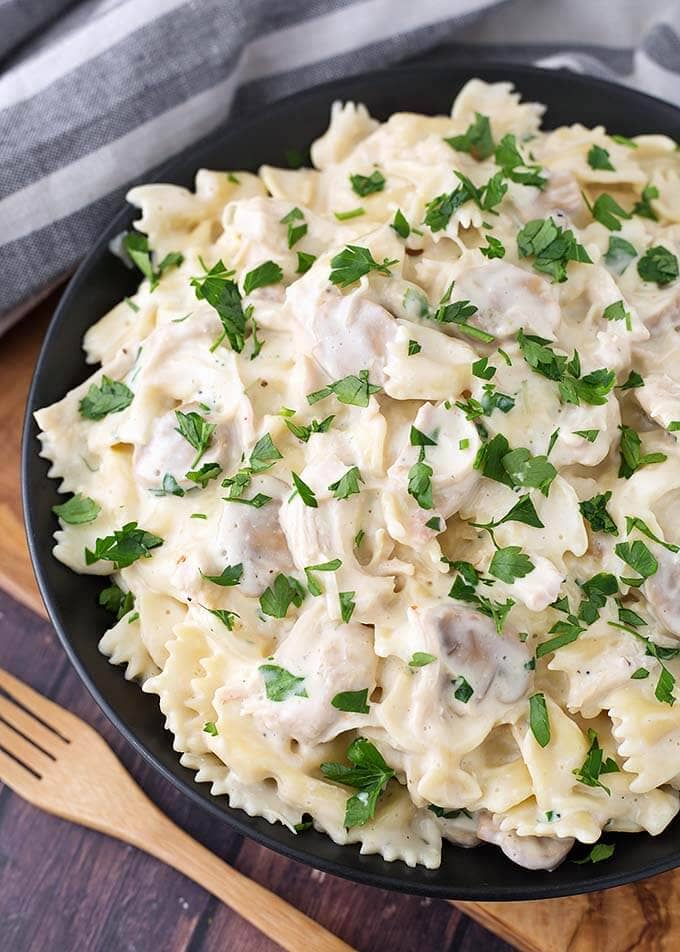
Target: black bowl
<point>101,281</point>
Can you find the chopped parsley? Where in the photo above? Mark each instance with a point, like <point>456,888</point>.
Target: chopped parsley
<point>111,396</point>
<point>116,601</point>
<point>631,457</point>
<point>225,616</point>
<point>494,248</point>
<point>619,254</point>
<point>598,158</point>
<point>221,292</point>
<point>539,722</point>
<point>635,522</point>
<point>203,475</point>
<point>137,248</point>
<point>78,510</point>
<point>565,633</point>
<point>420,482</point>
<point>353,262</point>
<point>210,728</point>
<point>277,599</point>
<point>347,605</point>
<point>639,558</point>
<point>551,247</point>
<point>304,262</point>
<point>595,765</point>
<point>457,312</point>
<point>262,458</point>
<point>658,264</point>
<point>420,659</point>
<point>510,563</point>
<point>196,431</point>
<point>350,214</point>
<point>124,546</point>
<point>599,852</point>
<point>632,382</point>
<point>295,231</point>
<point>313,585</point>
<point>347,485</point>
<point>400,225</point>
<point>462,689</point>
<point>168,487</point>
<point>514,167</point>
<point>303,431</point>
<point>269,272</point>
<point>438,212</point>
<point>643,208</point>
<point>353,390</point>
<point>477,139</point>
<point>305,492</point>
<point>608,212</point>
<point>229,576</point>
<point>589,435</point>
<point>414,348</point>
<point>592,388</point>
<point>280,684</point>
<point>595,511</point>
<point>364,185</point>
<point>368,773</point>
<point>617,312</point>
<point>353,702</point>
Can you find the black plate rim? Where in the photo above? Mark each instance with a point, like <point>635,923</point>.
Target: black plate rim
<point>236,818</point>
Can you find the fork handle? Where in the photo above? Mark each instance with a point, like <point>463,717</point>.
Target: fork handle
<point>273,916</point>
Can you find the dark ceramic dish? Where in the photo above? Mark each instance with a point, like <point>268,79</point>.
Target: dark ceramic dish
<point>101,281</point>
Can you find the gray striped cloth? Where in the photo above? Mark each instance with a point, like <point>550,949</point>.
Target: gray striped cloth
<point>95,94</point>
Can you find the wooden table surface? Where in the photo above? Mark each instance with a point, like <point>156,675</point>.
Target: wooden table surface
<point>64,888</point>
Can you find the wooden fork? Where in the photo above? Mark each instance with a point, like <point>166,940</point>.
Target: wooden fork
<point>59,763</point>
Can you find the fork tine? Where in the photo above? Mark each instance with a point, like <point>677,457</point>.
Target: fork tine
<point>54,716</point>
<point>21,748</point>
<point>17,717</point>
<point>16,776</point>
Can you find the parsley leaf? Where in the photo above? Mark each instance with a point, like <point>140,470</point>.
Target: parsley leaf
<point>111,396</point>
<point>196,431</point>
<point>529,471</point>
<point>539,721</point>
<point>514,167</point>
<point>420,482</point>
<point>634,522</point>
<point>594,765</point>
<point>229,576</point>
<point>225,616</point>
<point>598,158</point>
<point>277,599</point>
<point>137,247</point>
<point>353,702</point>
<point>481,369</point>
<point>203,475</point>
<point>551,247</point>
<point>280,684</point>
<point>599,852</point>
<point>303,432</point>
<point>589,435</point>
<point>607,211</point>
<point>617,312</point>
<point>353,391</point>
<point>565,633</point>
<point>420,659</point>
<point>619,254</point>
<point>353,263</point>
<point>347,605</point>
<point>347,485</point>
<point>369,774</point>
<point>477,139</point>
<point>124,546</point>
<point>639,558</point>
<point>210,728</point>
<point>456,313</point>
<point>304,262</point>
<point>462,689</point>
<point>295,232</point>
<point>400,225</point>
<point>221,292</point>
<point>631,458</point>
<point>305,492</point>
<point>116,601</point>
<point>313,585</point>
<point>510,563</point>
<point>658,264</point>
<point>438,212</point>
<point>595,511</point>
<point>643,208</point>
<point>350,213</point>
<point>364,185</point>
<point>269,272</point>
<point>494,249</point>
<point>414,348</point>
<point>78,510</point>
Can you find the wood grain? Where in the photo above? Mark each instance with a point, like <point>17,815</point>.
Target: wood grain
<point>644,917</point>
